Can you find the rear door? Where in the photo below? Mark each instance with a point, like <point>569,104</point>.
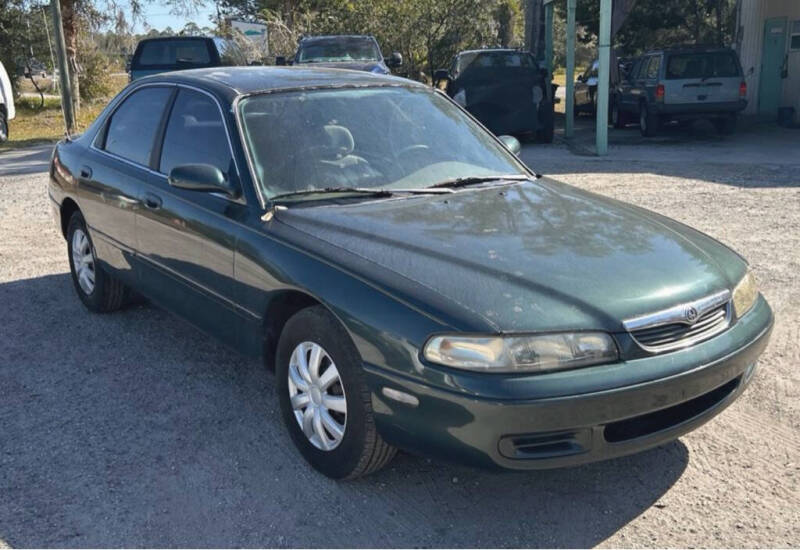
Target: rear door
<point>702,77</point>
<point>187,239</point>
<point>114,171</point>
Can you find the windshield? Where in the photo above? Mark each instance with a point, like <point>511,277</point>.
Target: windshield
<point>339,49</point>
<point>369,138</point>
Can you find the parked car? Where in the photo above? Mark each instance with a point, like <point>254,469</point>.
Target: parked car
<point>411,283</point>
<point>681,84</point>
<point>7,110</point>
<point>585,90</point>
<point>176,53</point>
<point>356,52</point>
<point>504,89</point>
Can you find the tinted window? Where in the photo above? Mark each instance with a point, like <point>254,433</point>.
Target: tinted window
<point>702,65</point>
<point>195,134</point>
<point>133,126</point>
<point>171,53</point>
<point>653,66</point>
<point>332,50</point>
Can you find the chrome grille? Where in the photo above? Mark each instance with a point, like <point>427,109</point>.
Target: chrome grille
<point>673,329</point>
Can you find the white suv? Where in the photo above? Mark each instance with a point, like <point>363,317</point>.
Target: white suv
<point>7,111</point>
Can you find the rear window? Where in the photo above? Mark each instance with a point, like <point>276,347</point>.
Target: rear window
<point>702,65</point>
<point>171,53</point>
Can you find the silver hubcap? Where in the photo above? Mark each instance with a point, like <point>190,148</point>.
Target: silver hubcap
<point>83,260</point>
<point>317,396</point>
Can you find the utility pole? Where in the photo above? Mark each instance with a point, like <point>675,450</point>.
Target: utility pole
<point>50,47</point>
<point>67,105</point>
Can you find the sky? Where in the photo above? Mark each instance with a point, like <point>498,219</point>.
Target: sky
<point>158,16</point>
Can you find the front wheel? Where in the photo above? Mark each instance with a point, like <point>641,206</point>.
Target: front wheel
<point>546,130</point>
<point>99,291</point>
<point>324,400</point>
<point>617,116</point>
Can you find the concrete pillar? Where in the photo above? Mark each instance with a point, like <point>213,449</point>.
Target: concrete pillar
<point>569,130</point>
<point>604,51</point>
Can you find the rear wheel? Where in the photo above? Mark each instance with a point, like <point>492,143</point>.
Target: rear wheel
<point>99,291</point>
<point>648,121</point>
<point>726,125</point>
<point>546,130</point>
<point>617,116</point>
<point>3,125</point>
<point>325,402</point>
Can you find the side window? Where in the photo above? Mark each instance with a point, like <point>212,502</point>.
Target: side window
<point>133,126</point>
<point>195,134</point>
<point>653,66</point>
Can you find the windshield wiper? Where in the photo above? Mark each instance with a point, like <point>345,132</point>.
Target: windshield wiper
<point>464,182</point>
<point>377,192</point>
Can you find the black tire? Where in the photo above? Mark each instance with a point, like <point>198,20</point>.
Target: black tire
<point>648,121</point>
<point>3,125</point>
<point>546,130</point>
<point>108,294</point>
<point>726,125</point>
<point>361,450</point>
<point>618,117</point>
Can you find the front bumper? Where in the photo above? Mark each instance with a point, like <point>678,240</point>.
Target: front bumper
<point>574,429</point>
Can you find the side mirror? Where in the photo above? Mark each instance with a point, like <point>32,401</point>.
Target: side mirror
<point>280,60</point>
<point>511,143</point>
<point>439,75</point>
<point>393,61</point>
<point>201,177</point>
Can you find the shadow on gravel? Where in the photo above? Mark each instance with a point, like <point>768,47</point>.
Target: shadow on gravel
<point>134,429</point>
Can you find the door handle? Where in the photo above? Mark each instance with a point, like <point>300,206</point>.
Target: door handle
<point>151,201</point>
<point>86,172</point>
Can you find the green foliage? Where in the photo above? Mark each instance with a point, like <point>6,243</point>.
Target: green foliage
<point>94,79</point>
<point>658,23</point>
<point>427,33</point>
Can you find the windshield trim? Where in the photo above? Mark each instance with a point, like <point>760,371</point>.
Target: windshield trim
<point>266,202</point>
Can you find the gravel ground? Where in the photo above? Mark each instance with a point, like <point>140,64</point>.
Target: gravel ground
<point>134,429</point>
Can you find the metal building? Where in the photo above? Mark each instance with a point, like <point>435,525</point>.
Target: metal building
<point>768,42</point>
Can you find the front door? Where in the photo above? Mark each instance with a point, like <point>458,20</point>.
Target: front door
<point>769,87</point>
<point>187,238</point>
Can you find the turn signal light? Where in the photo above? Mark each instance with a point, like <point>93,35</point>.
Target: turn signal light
<point>660,92</point>
<point>743,90</point>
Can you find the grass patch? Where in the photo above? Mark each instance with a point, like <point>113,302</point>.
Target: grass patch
<point>33,125</point>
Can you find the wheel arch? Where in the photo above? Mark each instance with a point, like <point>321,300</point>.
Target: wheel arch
<point>67,209</point>
<point>283,305</point>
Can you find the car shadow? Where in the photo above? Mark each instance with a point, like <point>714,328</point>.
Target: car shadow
<point>135,429</point>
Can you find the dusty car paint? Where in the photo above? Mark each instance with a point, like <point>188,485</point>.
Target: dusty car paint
<point>531,256</point>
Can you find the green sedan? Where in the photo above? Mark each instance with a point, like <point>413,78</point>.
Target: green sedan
<point>410,282</point>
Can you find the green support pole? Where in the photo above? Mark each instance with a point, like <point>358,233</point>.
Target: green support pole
<point>548,37</point>
<point>570,88</point>
<point>604,47</point>
<point>63,68</point>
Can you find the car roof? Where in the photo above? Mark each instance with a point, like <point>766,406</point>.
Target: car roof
<point>329,36</point>
<point>230,82</point>
<point>691,48</point>
<point>175,37</point>
<point>493,50</point>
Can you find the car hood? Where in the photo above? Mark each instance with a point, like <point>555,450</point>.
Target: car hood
<point>368,66</point>
<point>538,255</point>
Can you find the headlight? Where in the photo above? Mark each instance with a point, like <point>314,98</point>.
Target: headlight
<point>524,353</point>
<point>461,98</point>
<point>745,294</point>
